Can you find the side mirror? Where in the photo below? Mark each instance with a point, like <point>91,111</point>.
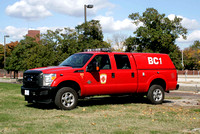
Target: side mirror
<point>97,66</point>
<point>94,67</point>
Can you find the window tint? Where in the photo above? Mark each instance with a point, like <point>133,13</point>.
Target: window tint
<point>122,62</point>
<point>103,60</point>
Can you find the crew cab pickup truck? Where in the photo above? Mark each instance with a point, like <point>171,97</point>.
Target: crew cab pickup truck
<point>100,73</point>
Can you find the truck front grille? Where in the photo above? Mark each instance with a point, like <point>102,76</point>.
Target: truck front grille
<point>32,79</point>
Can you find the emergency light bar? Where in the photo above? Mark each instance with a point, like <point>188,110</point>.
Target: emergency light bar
<point>98,50</point>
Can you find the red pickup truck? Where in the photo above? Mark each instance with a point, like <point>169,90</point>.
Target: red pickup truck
<point>100,73</point>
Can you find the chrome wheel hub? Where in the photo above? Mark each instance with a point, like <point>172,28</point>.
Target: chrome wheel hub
<point>157,95</point>
<point>67,99</point>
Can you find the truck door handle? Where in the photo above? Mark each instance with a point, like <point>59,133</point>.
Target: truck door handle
<point>133,75</point>
<point>113,75</point>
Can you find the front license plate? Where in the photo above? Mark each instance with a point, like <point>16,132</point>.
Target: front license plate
<point>26,92</point>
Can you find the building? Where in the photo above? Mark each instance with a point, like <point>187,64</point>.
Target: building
<point>34,34</point>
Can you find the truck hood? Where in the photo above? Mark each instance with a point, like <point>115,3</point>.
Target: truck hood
<point>53,69</point>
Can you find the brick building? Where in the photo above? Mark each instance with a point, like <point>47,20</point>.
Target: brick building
<point>34,34</point>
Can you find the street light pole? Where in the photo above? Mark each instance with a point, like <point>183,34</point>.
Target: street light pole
<point>5,36</point>
<point>85,12</point>
<point>182,61</point>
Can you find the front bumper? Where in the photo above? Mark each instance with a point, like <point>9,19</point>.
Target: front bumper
<point>39,95</point>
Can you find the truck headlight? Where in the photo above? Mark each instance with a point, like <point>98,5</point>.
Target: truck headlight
<point>48,79</point>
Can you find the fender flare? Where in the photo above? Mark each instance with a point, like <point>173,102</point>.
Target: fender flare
<point>156,76</point>
<point>59,80</point>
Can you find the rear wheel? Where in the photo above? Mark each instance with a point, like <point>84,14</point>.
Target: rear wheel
<point>66,98</point>
<point>155,94</point>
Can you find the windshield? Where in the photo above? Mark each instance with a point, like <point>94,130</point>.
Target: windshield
<point>76,60</point>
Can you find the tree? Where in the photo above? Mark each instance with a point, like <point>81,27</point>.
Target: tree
<point>62,42</point>
<point>157,34</point>
<point>1,56</point>
<point>29,54</point>
<point>192,56</point>
<point>90,35</point>
<point>18,59</point>
<point>118,40</point>
<point>131,44</point>
<point>90,30</point>
<point>54,47</point>
<point>10,47</point>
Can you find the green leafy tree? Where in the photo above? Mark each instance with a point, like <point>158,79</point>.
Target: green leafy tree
<point>54,47</point>
<point>66,42</point>
<point>91,30</point>
<point>60,42</point>
<point>29,54</point>
<point>90,35</point>
<point>131,44</point>
<point>192,56</point>
<point>9,48</point>
<point>18,59</point>
<point>1,56</point>
<point>157,34</point>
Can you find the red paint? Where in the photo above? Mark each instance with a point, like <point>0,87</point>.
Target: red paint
<point>144,68</point>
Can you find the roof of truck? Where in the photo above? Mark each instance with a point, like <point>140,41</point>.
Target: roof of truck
<point>145,60</point>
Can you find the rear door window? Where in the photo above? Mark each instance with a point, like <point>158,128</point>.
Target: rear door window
<point>122,61</point>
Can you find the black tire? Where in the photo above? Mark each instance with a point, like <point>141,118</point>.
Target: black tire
<point>156,94</point>
<point>66,98</point>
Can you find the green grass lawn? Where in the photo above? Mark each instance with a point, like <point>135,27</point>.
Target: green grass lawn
<point>99,115</point>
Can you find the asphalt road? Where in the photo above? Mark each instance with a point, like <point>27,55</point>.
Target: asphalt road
<point>184,94</point>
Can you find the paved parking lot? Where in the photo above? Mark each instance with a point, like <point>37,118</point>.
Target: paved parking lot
<point>188,93</point>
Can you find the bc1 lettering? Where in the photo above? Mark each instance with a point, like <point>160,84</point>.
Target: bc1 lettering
<point>154,60</point>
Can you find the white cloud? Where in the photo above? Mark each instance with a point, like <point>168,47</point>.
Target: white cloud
<point>19,33</point>
<point>37,9</point>
<point>171,16</point>
<point>193,28</point>
<point>190,24</point>
<point>76,7</point>
<point>15,33</point>
<point>26,10</point>
<point>109,25</point>
<point>195,35</point>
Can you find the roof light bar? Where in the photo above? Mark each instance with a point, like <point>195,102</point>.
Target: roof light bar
<point>98,50</point>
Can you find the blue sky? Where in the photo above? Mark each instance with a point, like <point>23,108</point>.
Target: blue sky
<point>18,16</point>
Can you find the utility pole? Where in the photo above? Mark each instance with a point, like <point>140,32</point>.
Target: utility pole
<point>182,61</point>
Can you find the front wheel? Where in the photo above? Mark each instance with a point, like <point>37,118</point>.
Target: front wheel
<point>66,98</point>
<point>155,94</point>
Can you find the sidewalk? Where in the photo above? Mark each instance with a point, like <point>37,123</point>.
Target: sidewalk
<point>189,82</point>
<point>8,80</point>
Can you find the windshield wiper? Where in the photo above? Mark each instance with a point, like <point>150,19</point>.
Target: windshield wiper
<point>66,65</point>
<point>77,66</point>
